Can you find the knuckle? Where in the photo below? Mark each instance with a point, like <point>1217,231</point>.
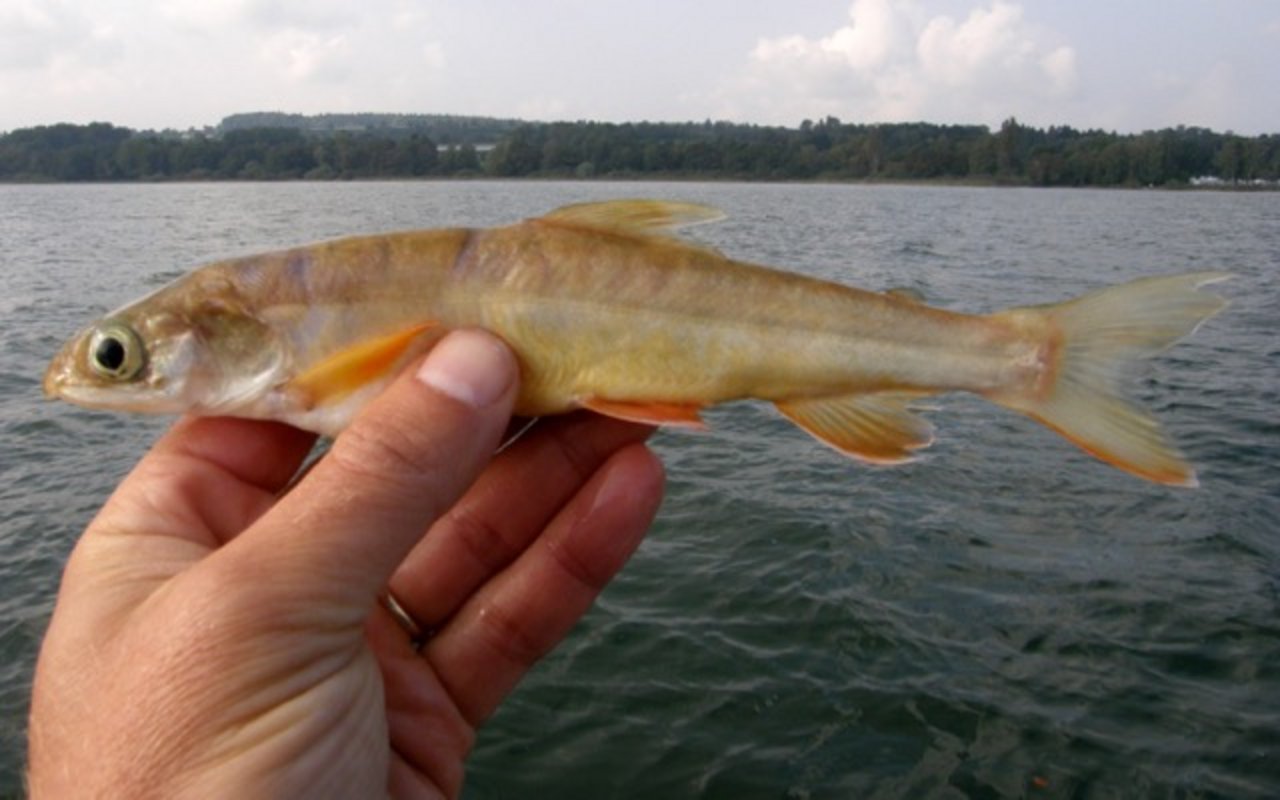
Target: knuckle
<point>577,453</point>
<point>592,577</point>
<point>482,540</point>
<point>384,455</point>
<point>513,642</point>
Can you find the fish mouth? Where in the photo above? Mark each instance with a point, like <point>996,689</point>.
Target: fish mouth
<point>106,398</point>
<point>50,384</point>
<point>60,384</point>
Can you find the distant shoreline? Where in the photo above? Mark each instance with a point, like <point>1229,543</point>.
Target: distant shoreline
<point>280,147</point>
<point>642,179</point>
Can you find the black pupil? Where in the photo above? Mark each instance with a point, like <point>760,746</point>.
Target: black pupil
<point>110,354</point>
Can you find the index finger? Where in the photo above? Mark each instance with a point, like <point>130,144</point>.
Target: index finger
<point>205,480</point>
<point>256,452</point>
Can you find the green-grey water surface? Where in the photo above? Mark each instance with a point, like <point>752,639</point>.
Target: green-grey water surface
<point>1004,618</point>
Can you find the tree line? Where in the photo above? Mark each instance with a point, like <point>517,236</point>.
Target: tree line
<point>445,129</point>
<point>828,149</point>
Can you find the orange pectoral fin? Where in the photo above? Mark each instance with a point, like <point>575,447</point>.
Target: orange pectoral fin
<point>676,415</point>
<point>348,370</point>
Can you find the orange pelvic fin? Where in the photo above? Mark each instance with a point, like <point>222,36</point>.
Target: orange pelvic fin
<point>877,428</point>
<point>676,415</point>
<point>350,369</point>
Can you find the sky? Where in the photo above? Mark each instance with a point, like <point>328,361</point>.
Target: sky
<point>1122,65</point>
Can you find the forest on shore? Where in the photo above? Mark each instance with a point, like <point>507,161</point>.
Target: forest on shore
<point>276,146</point>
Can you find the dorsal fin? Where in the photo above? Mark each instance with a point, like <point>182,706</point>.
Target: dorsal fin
<point>637,216</point>
<point>907,294</point>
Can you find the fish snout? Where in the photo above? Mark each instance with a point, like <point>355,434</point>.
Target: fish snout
<point>55,375</point>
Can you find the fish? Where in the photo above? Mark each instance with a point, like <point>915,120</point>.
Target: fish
<point>608,308</point>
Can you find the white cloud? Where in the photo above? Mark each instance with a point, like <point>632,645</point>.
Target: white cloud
<point>263,15</point>
<point>32,34</point>
<point>966,53</point>
<point>201,15</point>
<point>302,56</point>
<point>197,60</point>
<point>1060,67</point>
<point>312,15</point>
<point>870,37</point>
<point>891,61</point>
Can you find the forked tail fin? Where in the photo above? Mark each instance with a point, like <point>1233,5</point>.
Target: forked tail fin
<point>1095,339</point>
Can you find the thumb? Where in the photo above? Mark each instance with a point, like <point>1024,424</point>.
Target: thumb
<point>404,461</point>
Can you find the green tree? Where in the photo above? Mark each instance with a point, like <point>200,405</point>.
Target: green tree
<point>519,153</point>
<point>1230,158</point>
<point>1010,150</point>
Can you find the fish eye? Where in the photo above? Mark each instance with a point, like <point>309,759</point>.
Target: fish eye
<point>116,352</point>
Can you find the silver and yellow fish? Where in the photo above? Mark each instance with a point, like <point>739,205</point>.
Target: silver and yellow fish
<point>607,311</point>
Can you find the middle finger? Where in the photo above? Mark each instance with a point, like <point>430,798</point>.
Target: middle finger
<point>505,510</point>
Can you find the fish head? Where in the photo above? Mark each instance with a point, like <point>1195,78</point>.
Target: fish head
<point>179,349</point>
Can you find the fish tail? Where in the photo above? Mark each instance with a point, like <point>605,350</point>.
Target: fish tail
<point>1092,342</point>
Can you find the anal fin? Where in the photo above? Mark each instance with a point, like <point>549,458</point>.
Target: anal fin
<point>677,415</point>
<point>348,370</point>
<point>879,428</point>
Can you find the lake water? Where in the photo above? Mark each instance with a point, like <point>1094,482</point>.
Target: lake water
<point>1005,618</point>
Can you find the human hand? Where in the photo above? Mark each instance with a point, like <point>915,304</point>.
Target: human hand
<point>212,638</point>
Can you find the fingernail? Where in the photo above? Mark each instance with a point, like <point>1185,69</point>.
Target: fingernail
<point>620,485</point>
<point>469,366</point>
